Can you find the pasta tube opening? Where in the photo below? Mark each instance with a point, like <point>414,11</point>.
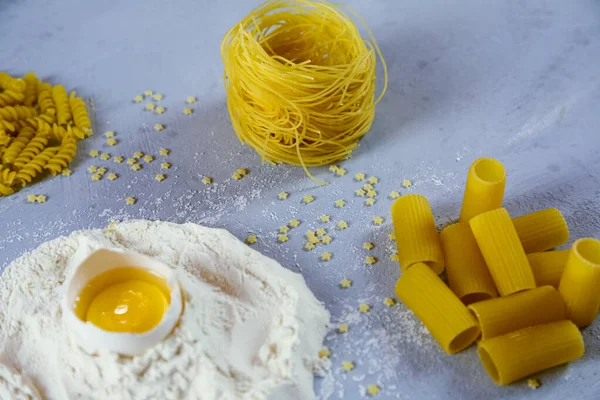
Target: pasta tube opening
<point>589,251</point>
<point>464,340</point>
<point>488,363</point>
<point>476,297</point>
<point>489,171</point>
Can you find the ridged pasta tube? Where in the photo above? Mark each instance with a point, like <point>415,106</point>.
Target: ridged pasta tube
<point>416,235</point>
<point>468,275</point>
<point>444,315</point>
<point>524,352</point>
<point>548,266</point>
<point>520,310</point>
<point>502,251</point>
<point>484,190</point>
<point>542,230</point>
<point>580,282</point>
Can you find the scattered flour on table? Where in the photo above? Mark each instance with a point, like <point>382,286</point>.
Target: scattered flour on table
<point>250,328</point>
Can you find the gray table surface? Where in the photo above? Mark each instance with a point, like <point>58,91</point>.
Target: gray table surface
<point>516,80</point>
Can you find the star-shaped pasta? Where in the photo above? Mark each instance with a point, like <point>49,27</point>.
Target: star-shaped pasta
<point>342,225</point>
<point>370,201</point>
<point>373,390</point>
<point>92,169</point>
<point>157,97</point>
<point>373,180</point>
<point>101,171</point>
<point>136,167</point>
<point>160,177</point>
<point>340,172</point>
<point>282,238</point>
<point>236,176</point>
<point>148,158</point>
<point>190,100</point>
<point>324,353</point>
<point>333,168</point>
<point>326,239</point>
<point>159,127</point>
<point>321,232</point>
<point>148,93</point>
<point>32,198</point>
<point>96,177</point>
<point>188,111</point>
<point>251,239</point>
<point>368,245</point>
<point>343,328</point>
<point>388,301</point>
<point>364,308</point>
<point>94,153</point>
<point>150,106</point>
<point>105,156</point>
<point>160,110</point>
<point>394,195</point>
<point>131,160</point>
<point>284,229</point>
<point>109,134</point>
<point>138,99</point>
<point>326,256</point>
<point>206,180</point>
<point>392,236</point>
<point>294,223</point>
<point>378,220</point>
<point>395,257</point>
<point>347,366</point>
<point>138,154</point>
<point>164,152</point>
<point>360,192</point>
<point>370,260</point>
<point>282,195</point>
<point>66,172</point>
<point>309,246</point>
<point>118,159</point>
<point>308,199</point>
<point>371,193</point>
<point>111,176</point>
<point>340,203</point>
<point>41,198</point>
<point>345,283</point>
<point>324,218</point>
<point>406,183</point>
<point>130,200</point>
<point>165,165</point>
<point>112,142</point>
<point>359,177</point>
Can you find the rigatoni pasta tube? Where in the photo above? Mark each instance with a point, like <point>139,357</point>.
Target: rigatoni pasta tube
<point>502,251</point>
<point>468,276</point>
<point>416,235</point>
<point>484,190</point>
<point>444,315</point>
<point>524,352</point>
<point>542,230</point>
<point>548,266</point>
<point>520,310</point>
<point>580,282</point>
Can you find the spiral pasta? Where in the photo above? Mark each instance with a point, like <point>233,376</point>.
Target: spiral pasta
<point>39,129</point>
<point>300,81</point>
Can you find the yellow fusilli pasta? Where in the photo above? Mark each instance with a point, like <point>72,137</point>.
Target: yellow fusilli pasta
<point>63,112</point>
<point>63,157</point>
<point>36,165</point>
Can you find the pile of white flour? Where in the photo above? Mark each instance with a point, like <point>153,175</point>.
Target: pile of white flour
<point>250,329</point>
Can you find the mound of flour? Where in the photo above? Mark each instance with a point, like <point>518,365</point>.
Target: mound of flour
<point>250,328</point>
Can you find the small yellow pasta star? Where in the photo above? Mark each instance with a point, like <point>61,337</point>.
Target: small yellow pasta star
<point>236,176</point>
<point>347,366</point>
<point>101,171</point>
<point>206,180</point>
<point>333,168</point>
<point>105,156</point>
<point>326,239</point>
<point>148,93</point>
<point>282,195</point>
<point>345,283</point>
<point>340,203</point>
<point>388,301</point>
<point>359,177</point>
<point>342,225</point>
<point>360,193</point>
<point>370,260</point>
<point>94,153</point>
<point>343,328</point>
<point>188,111</point>
<point>190,100</point>
<point>321,232</point>
<point>394,195</point>
<point>160,177</point>
<point>308,199</point>
<point>92,168</point>
<point>324,218</point>
<point>164,152</point>
<point>32,198</point>
<point>395,257</point>
<point>130,200</point>
<point>138,154</point>
<point>533,383</point>
<point>157,97</point>
<point>150,106</point>
<point>111,142</point>
<point>138,99</point>
<point>392,236</point>
<point>324,353</point>
<point>326,256</point>
<point>310,234</point>
<point>131,160</point>
<point>373,390</point>
<point>96,177</point>
<point>166,165</point>
<point>242,171</point>
<point>136,167</point>
<point>364,308</point>
<point>373,180</point>
<point>283,238</point>
<point>309,246</point>
<point>66,172</point>
<point>148,158</point>
<point>159,127</point>
<point>340,172</point>
<point>109,134</point>
<point>313,239</point>
<point>160,110</point>
<point>41,198</point>
<point>370,201</point>
<point>118,159</point>
<point>368,245</point>
<point>111,176</point>
<point>406,183</point>
<point>367,187</point>
<point>251,239</point>
<point>294,223</point>
<point>371,193</point>
<point>378,220</point>
<point>284,229</point>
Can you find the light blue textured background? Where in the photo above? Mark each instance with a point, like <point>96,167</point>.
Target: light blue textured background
<point>516,80</point>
